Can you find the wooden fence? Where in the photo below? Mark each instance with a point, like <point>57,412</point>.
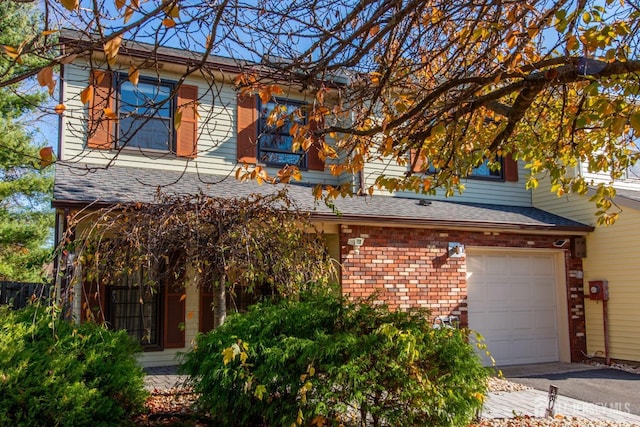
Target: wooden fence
<point>19,294</point>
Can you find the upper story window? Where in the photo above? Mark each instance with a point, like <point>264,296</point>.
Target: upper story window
<point>146,114</point>
<point>483,171</point>
<point>275,143</point>
<point>508,170</point>
<point>633,172</point>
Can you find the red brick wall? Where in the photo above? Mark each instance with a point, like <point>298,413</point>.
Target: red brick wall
<point>410,267</point>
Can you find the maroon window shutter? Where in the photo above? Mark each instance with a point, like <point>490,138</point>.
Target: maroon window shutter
<point>314,162</point>
<point>100,127</point>
<point>416,163</point>
<point>510,166</point>
<point>206,308</point>
<point>187,132</point>
<point>247,128</point>
<point>174,317</point>
<point>93,299</point>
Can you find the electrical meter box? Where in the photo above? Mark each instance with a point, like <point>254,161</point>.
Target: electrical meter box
<point>598,290</point>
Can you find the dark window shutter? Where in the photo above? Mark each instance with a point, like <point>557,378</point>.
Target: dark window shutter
<point>206,309</point>
<point>314,162</point>
<point>100,127</point>
<point>415,162</point>
<point>93,299</point>
<point>510,166</point>
<point>247,128</point>
<point>174,317</point>
<point>187,133</point>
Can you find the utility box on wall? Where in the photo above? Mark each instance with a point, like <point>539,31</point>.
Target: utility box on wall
<point>599,290</point>
<point>579,247</point>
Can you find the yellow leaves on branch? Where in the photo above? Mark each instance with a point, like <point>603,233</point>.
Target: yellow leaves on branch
<point>256,173</point>
<point>266,92</point>
<point>237,349</point>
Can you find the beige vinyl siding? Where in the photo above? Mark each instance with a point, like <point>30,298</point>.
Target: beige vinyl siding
<point>630,182</point>
<point>489,191</point>
<point>573,206</point>
<point>612,255</point>
<point>217,126</point>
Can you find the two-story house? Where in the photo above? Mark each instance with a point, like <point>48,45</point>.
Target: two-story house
<point>503,266</point>
<point>612,257</point>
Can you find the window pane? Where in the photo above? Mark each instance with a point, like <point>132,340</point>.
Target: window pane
<point>280,158</point>
<point>142,132</point>
<point>484,171</point>
<point>633,172</point>
<point>145,99</point>
<point>135,309</point>
<point>275,143</point>
<point>145,115</point>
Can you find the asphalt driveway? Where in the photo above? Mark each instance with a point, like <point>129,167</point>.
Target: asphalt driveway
<point>611,388</point>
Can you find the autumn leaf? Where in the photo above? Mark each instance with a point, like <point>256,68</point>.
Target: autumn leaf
<point>134,75</point>
<point>46,157</point>
<point>70,4</point>
<point>59,109</point>
<point>110,114</point>
<point>120,4</point>
<point>228,355</point>
<point>45,78</point>
<point>111,48</point>
<point>635,122</point>
<point>86,95</point>
<point>260,391</point>
<point>168,22</point>
<point>128,13</point>
<point>177,121</point>
<point>173,11</point>
<point>13,53</point>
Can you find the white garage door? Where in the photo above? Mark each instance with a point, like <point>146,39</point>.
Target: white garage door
<point>512,303</point>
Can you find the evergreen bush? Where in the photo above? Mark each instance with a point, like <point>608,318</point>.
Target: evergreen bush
<point>58,373</point>
<point>326,361</point>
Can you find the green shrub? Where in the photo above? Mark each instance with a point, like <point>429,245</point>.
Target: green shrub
<point>57,373</point>
<point>324,360</point>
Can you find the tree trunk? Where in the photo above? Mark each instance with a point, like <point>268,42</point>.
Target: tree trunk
<point>219,304</point>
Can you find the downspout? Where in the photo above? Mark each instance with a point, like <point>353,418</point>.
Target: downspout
<point>605,323</point>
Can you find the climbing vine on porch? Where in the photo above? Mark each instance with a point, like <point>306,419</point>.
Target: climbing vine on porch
<point>227,243</point>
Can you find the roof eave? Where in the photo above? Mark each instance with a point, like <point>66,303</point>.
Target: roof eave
<point>453,224</point>
<point>392,221</point>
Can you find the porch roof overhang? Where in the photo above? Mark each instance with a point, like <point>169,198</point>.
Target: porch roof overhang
<point>79,186</point>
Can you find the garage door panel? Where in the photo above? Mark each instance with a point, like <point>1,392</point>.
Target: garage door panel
<point>542,264</point>
<point>519,267</point>
<point>512,303</point>
<point>495,264</point>
<point>499,293</point>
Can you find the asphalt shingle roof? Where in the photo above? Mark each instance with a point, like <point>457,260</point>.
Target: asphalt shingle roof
<point>628,194</point>
<point>80,185</point>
